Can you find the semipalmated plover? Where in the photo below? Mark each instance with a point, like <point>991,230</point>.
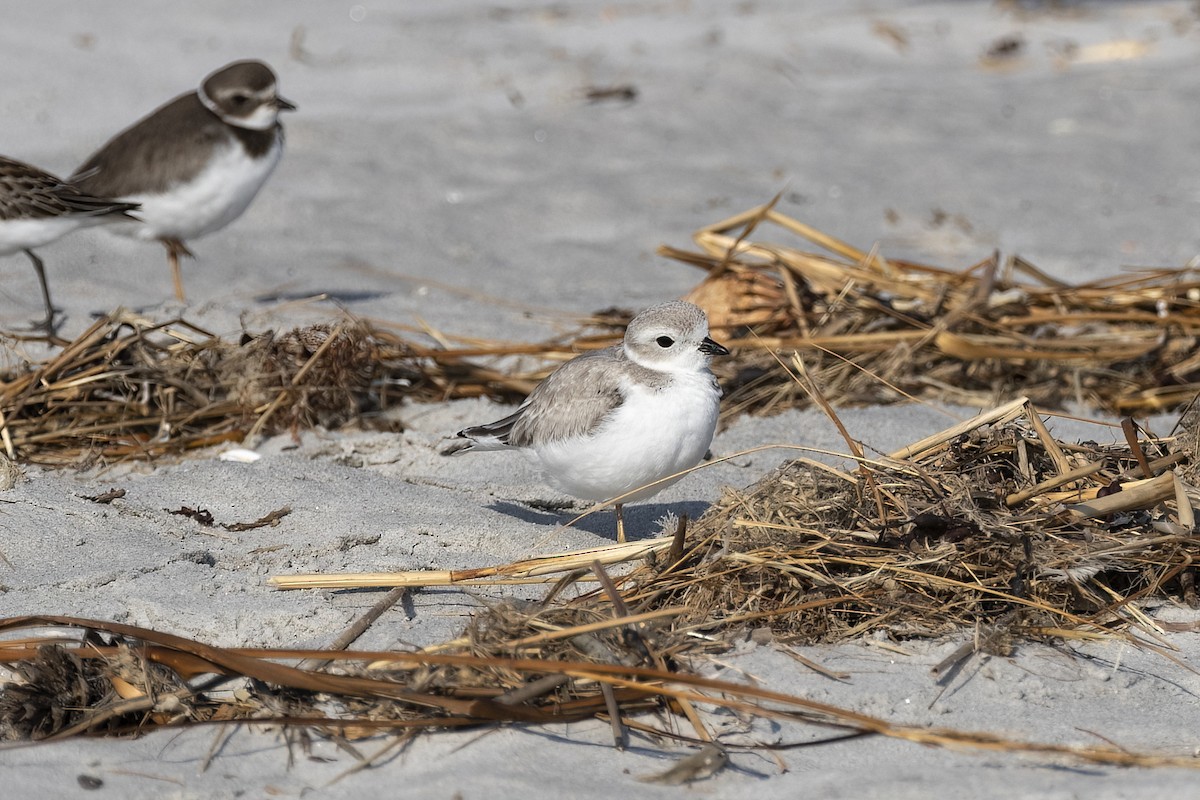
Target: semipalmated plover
<point>611,421</point>
<point>36,208</point>
<point>194,164</point>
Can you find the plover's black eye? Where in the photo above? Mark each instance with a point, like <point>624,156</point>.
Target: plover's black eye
<point>665,341</point>
<point>240,99</point>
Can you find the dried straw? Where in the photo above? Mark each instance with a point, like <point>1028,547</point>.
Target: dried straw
<point>874,330</point>
<point>990,520</point>
<point>129,388</point>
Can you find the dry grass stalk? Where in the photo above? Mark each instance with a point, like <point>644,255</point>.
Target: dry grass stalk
<point>543,569</point>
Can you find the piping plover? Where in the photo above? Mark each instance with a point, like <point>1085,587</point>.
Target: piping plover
<point>194,164</point>
<point>608,422</point>
<point>36,208</point>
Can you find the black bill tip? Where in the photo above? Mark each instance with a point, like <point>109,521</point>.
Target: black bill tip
<point>711,348</point>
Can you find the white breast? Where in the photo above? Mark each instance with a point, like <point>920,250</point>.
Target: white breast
<point>209,202</point>
<point>652,435</point>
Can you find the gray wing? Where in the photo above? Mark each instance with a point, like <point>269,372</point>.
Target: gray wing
<point>164,148</point>
<point>573,401</point>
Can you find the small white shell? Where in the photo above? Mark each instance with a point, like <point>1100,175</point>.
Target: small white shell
<point>241,455</point>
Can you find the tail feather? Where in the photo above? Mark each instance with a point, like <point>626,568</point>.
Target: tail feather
<point>492,436</point>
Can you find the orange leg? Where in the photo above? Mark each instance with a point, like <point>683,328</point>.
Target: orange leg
<point>175,249</point>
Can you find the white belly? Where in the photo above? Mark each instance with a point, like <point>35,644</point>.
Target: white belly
<point>651,436</point>
<point>212,200</point>
<point>22,234</point>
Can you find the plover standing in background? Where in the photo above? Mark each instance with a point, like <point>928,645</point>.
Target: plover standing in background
<point>36,208</point>
<point>610,421</point>
<point>194,164</point>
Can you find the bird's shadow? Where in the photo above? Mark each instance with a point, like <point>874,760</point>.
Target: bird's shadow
<point>641,520</point>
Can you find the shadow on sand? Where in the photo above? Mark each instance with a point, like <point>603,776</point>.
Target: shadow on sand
<point>641,520</point>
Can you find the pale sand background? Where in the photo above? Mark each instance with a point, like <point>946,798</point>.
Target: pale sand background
<point>443,149</point>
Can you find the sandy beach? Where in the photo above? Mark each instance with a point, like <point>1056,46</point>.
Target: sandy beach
<point>447,169</point>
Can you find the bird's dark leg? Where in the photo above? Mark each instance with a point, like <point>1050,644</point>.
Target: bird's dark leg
<point>46,324</point>
<point>175,249</point>
<point>620,524</point>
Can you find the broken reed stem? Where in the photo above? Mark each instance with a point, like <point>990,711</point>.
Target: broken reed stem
<point>621,611</point>
<point>1061,463</point>
<point>1129,428</point>
<point>996,416</point>
<point>1053,482</point>
<point>531,570</point>
<point>1134,496</point>
<point>360,625</point>
<point>758,216</point>
<point>6,437</point>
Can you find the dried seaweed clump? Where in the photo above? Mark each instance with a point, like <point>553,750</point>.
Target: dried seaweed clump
<point>995,521</point>
<point>49,693</point>
<point>285,370</point>
<point>128,388</point>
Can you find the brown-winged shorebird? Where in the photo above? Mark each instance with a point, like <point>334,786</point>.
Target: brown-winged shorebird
<point>607,423</point>
<point>194,164</point>
<point>37,208</point>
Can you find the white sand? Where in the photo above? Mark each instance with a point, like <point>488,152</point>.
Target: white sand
<point>442,156</point>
